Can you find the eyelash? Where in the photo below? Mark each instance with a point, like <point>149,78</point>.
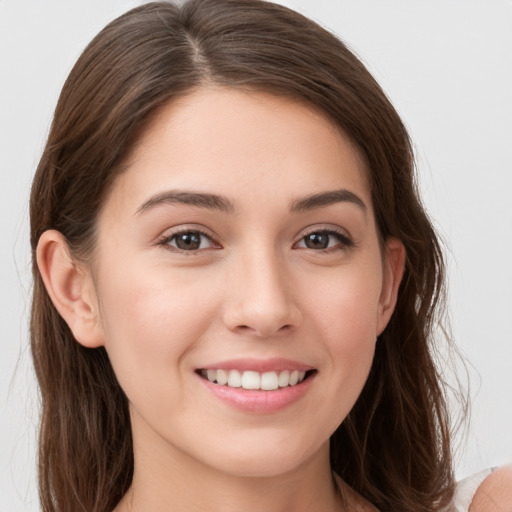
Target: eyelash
<point>165,242</point>
<point>344,241</point>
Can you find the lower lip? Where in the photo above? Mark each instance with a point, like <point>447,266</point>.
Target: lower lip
<point>259,401</point>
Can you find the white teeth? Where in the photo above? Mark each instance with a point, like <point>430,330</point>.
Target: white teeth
<point>267,381</point>
<point>251,380</point>
<point>234,379</point>
<point>284,379</point>
<point>222,377</point>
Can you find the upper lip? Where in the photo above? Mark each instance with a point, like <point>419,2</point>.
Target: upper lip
<point>258,365</point>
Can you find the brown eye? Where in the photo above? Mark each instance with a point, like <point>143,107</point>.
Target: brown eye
<point>189,241</point>
<point>317,240</point>
<point>325,240</point>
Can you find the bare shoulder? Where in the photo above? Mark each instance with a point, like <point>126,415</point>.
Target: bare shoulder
<point>495,492</point>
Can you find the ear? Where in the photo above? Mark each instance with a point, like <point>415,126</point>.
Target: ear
<point>70,287</point>
<point>394,266</point>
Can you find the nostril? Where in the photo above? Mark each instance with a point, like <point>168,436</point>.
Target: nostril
<point>263,330</point>
<point>261,318</point>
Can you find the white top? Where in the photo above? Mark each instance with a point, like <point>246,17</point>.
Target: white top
<point>466,490</point>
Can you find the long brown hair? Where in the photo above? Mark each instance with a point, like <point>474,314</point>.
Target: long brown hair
<point>394,447</point>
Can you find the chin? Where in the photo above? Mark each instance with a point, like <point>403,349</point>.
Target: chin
<point>268,459</point>
<point>258,468</point>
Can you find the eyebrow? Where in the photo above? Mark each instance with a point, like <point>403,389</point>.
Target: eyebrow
<point>199,199</point>
<point>323,199</point>
<point>220,203</point>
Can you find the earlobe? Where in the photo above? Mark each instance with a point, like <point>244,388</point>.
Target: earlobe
<point>70,288</point>
<point>394,266</point>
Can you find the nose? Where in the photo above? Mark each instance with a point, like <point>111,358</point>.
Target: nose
<point>261,297</point>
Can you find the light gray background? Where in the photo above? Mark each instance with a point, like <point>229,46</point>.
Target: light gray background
<point>446,65</point>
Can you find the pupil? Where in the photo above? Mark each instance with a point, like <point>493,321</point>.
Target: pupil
<point>188,241</point>
<point>317,241</point>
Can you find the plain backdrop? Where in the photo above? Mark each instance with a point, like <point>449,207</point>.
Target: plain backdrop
<point>447,67</point>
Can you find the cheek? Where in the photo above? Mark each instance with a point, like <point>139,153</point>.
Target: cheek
<point>347,305</point>
<point>345,313</point>
<point>150,321</point>
<point>342,311</point>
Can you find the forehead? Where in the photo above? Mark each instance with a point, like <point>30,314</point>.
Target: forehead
<point>229,141</point>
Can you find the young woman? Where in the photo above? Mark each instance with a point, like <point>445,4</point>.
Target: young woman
<point>234,280</point>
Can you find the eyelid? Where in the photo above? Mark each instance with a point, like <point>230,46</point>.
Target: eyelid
<point>164,239</point>
<point>346,239</point>
<point>332,228</point>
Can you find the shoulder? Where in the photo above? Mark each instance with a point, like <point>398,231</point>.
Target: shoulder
<point>495,493</point>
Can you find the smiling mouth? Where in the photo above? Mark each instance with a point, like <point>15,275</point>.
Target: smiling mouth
<point>265,381</point>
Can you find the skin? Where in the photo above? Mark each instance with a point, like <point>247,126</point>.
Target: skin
<point>495,492</point>
<point>254,289</point>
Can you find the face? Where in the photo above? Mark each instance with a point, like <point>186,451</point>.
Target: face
<point>240,245</point>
